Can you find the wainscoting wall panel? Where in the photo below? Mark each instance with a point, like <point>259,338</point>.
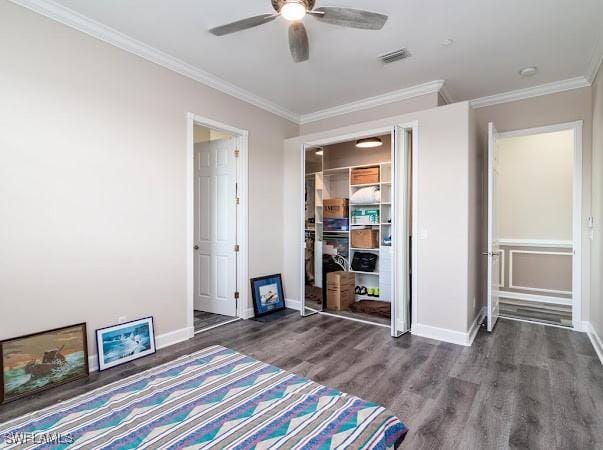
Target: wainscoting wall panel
<point>536,270</point>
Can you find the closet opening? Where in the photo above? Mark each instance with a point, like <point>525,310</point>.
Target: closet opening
<point>358,228</point>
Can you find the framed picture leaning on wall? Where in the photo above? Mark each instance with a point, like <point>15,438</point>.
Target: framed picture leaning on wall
<point>268,296</point>
<point>125,342</point>
<point>40,361</point>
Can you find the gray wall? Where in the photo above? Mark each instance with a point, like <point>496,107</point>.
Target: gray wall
<point>93,180</point>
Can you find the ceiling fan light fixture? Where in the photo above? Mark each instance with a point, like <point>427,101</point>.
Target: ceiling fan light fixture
<point>294,10</point>
<point>369,142</point>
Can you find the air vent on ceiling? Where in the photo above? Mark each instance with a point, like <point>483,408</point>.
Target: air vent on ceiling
<point>394,56</point>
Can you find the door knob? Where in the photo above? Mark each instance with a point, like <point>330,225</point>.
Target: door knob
<point>196,247</point>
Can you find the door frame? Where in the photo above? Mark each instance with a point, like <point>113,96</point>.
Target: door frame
<point>242,137</point>
<point>577,223</point>
<point>393,130</point>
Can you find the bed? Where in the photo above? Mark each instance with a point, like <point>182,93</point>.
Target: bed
<point>215,398</point>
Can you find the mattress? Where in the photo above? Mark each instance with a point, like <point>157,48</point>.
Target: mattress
<point>215,398</point>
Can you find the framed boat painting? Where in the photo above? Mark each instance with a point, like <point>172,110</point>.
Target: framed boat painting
<point>119,344</point>
<point>40,361</point>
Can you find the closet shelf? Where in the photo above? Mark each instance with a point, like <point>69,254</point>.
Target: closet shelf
<point>367,297</point>
<point>365,273</point>
<point>366,204</point>
<point>364,249</point>
<point>364,185</point>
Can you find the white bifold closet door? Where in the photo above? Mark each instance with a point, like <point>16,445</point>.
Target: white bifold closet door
<point>493,246</point>
<point>400,225</point>
<point>215,227</point>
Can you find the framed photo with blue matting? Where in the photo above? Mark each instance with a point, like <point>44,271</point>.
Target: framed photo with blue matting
<point>268,296</point>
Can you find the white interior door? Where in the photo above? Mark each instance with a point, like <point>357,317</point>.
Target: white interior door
<point>215,227</point>
<point>493,247</point>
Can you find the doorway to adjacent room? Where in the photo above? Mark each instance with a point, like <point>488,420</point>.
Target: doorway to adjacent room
<point>217,225</point>
<point>535,225</point>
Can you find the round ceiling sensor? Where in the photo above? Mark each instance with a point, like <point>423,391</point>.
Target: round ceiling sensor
<point>528,71</point>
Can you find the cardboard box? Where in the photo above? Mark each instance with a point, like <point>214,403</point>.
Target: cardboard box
<point>340,290</point>
<point>335,208</point>
<point>365,217</point>
<point>366,175</point>
<point>365,238</point>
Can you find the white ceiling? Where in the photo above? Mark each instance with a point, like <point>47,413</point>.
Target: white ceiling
<point>493,39</point>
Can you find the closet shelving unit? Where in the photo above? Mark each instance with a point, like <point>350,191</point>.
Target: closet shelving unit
<point>337,183</point>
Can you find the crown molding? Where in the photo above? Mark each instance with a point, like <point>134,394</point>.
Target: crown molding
<point>111,36</point>
<point>596,60</point>
<point>445,93</point>
<point>371,102</point>
<point>535,91</point>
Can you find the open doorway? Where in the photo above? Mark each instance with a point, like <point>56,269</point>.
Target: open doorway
<point>217,224</point>
<point>534,225</point>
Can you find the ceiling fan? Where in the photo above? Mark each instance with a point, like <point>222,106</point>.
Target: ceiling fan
<point>294,11</point>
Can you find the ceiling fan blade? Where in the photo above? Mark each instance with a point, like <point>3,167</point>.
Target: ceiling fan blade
<point>352,18</point>
<point>298,42</point>
<point>244,24</point>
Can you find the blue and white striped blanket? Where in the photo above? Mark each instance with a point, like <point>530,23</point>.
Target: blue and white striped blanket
<point>216,398</point>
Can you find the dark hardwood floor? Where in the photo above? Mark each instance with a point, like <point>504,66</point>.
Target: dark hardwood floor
<point>524,386</point>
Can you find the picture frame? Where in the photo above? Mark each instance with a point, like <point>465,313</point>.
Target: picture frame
<point>268,295</point>
<point>125,342</point>
<point>36,362</point>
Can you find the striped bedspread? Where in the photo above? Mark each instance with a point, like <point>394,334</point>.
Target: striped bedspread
<point>216,398</point>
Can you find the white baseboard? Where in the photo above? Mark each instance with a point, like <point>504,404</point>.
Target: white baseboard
<point>161,341</point>
<point>596,340</point>
<point>440,334</point>
<point>452,336</point>
<point>92,363</point>
<point>248,314</point>
<point>293,304</point>
<point>535,298</point>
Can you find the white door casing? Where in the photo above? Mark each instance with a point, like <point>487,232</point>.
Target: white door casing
<point>215,264</point>
<point>493,247</point>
